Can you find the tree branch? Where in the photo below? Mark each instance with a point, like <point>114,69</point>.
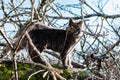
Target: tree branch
<point>87,16</point>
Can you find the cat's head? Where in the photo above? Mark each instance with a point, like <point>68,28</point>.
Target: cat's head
<point>74,27</point>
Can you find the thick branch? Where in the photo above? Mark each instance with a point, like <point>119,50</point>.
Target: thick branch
<point>87,16</point>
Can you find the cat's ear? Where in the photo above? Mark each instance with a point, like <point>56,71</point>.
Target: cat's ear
<point>80,23</point>
<point>70,22</point>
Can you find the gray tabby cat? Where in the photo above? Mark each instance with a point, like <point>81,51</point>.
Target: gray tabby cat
<point>58,40</point>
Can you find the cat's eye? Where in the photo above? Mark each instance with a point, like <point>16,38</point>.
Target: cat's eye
<point>71,27</point>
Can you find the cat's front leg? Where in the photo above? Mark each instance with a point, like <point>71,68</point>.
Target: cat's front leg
<point>63,59</point>
<point>66,61</point>
<point>69,62</point>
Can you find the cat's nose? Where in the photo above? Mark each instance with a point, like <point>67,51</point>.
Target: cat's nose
<point>76,30</point>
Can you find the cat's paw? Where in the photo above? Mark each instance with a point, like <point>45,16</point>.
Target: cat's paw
<point>68,67</point>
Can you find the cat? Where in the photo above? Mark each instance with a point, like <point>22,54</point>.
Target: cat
<point>58,40</point>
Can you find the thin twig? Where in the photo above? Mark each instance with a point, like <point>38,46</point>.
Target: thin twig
<point>35,73</point>
<point>7,40</point>
<point>15,11</point>
<point>32,9</point>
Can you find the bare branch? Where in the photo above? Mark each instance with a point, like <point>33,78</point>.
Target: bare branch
<point>87,16</point>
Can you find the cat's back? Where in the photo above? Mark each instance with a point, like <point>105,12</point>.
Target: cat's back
<point>47,31</point>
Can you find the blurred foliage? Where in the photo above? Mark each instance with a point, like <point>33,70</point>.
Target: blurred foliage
<point>67,74</point>
<point>5,72</point>
<point>25,70</point>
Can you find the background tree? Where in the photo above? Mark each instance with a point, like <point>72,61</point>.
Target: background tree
<point>99,48</point>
